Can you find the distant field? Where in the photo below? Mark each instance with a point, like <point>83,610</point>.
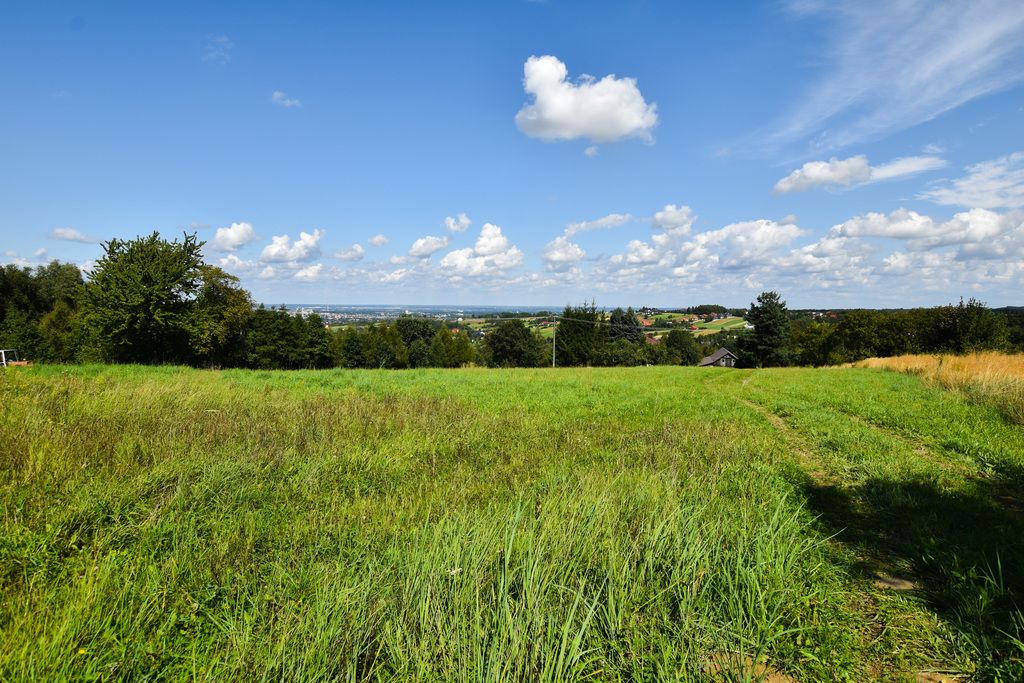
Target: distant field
<point>714,326</point>
<point>659,523</point>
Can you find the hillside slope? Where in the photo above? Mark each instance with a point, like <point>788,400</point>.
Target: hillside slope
<point>646,523</point>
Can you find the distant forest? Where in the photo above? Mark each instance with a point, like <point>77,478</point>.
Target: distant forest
<point>154,301</point>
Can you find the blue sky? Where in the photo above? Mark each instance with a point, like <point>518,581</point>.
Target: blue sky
<point>845,154</point>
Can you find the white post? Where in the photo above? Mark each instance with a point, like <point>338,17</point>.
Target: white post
<point>554,336</point>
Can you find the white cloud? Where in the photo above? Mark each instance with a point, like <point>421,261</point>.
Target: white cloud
<point>853,171</point>
<point>234,237</point>
<point>603,110</point>
<point>560,254</point>
<point>906,166</point>
<point>217,49</point>
<point>377,241</point>
<point>459,223</point>
<point>40,253</point>
<point>281,247</point>
<point>268,272</point>
<point>280,99</point>
<point>638,252</point>
<point>900,224</point>
<point>309,273</point>
<point>675,220</point>
<point>998,183</point>
<point>71,235</point>
<point>491,241</point>
<point>897,64</point>
<point>424,247</point>
<point>232,263</point>
<point>977,234</point>
<point>353,253</point>
<point>612,220</point>
<point>591,151</point>
<point>741,244</point>
<point>492,255</point>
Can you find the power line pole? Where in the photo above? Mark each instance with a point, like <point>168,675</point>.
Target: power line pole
<point>554,336</point>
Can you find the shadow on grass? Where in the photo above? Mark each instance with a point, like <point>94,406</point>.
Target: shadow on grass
<point>962,550</point>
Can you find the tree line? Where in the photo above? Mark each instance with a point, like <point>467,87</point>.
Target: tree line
<point>781,338</point>
<point>153,301</point>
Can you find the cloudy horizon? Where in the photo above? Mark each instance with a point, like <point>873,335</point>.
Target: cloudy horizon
<point>588,155</point>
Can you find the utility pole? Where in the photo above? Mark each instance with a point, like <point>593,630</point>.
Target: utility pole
<point>554,336</point>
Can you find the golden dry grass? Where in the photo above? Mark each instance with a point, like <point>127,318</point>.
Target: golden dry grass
<point>991,377</point>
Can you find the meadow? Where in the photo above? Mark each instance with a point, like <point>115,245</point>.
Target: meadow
<point>653,523</point>
<point>988,377</point>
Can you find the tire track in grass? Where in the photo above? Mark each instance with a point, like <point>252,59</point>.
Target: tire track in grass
<point>825,487</point>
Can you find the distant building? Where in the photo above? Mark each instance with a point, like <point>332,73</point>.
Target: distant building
<point>723,358</point>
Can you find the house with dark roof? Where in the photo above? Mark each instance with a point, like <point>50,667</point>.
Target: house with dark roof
<point>723,358</point>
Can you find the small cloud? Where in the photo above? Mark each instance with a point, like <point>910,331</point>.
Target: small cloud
<point>378,241</point>
<point>591,151</point>
<point>353,253</point>
<point>279,98</point>
<point>933,148</point>
<point>561,254</point>
<point>217,49</point>
<point>492,255</point>
<point>195,225</point>
<point>612,220</point>
<point>281,248</point>
<point>603,110</point>
<point>234,237</point>
<point>458,224</point>
<point>71,235</point>
<point>309,273</point>
<point>425,246</point>
<point>40,253</point>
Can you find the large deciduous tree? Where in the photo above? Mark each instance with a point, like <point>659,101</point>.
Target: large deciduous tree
<point>137,302</point>
<point>684,344</point>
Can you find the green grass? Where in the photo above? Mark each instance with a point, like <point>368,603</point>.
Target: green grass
<point>611,524</point>
<point>733,323</point>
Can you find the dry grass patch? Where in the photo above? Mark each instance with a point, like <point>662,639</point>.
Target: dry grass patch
<point>990,377</point>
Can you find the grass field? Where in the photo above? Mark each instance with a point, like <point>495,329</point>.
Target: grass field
<point>615,524</point>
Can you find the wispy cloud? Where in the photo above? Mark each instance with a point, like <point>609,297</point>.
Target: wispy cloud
<point>998,183</point>
<point>217,49</point>
<point>898,63</point>
<point>459,223</point>
<point>71,235</point>
<point>853,172</point>
<point>281,99</point>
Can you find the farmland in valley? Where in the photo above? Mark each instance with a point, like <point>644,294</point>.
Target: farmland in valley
<point>662,523</point>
